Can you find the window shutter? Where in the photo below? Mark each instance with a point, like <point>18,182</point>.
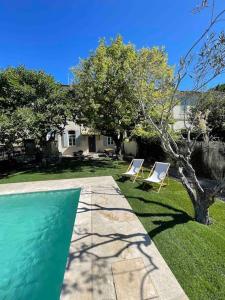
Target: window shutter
<point>78,136</point>
<point>48,136</point>
<point>105,141</point>
<point>78,140</point>
<point>65,139</point>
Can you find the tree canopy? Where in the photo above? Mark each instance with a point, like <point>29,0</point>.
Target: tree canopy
<point>209,115</point>
<point>220,88</point>
<point>111,81</point>
<point>31,105</point>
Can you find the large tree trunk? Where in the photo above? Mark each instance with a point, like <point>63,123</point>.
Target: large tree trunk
<point>202,212</point>
<point>200,196</point>
<point>201,203</point>
<point>118,148</point>
<point>118,139</point>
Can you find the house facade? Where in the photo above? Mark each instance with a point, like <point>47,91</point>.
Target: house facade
<point>79,138</point>
<point>181,111</point>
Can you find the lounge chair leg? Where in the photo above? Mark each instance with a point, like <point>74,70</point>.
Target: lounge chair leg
<point>161,184</point>
<point>134,179</point>
<point>159,188</point>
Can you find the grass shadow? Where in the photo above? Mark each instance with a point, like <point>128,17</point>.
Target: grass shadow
<point>123,179</point>
<point>66,165</point>
<point>177,219</point>
<point>145,187</point>
<point>176,216</point>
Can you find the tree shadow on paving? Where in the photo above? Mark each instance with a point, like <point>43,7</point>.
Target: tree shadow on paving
<point>102,190</point>
<point>98,251</point>
<point>100,274</point>
<point>97,207</point>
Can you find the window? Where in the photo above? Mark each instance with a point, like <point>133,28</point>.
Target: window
<point>72,137</point>
<point>109,141</point>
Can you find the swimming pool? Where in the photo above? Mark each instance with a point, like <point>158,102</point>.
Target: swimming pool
<point>35,234</point>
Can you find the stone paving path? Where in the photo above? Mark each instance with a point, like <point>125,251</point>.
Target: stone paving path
<point>111,256</point>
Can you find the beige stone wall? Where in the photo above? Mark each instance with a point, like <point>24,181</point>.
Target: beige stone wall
<point>130,148</point>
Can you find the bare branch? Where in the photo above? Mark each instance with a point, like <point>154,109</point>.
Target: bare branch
<point>212,11</point>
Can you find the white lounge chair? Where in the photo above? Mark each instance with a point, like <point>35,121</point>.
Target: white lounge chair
<point>134,169</point>
<point>158,174</point>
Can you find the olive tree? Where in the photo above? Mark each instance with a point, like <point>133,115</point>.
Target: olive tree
<point>204,61</point>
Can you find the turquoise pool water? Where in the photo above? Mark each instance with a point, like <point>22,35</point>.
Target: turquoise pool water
<point>35,234</point>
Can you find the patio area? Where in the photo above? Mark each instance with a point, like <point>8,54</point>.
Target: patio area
<point>111,255</point>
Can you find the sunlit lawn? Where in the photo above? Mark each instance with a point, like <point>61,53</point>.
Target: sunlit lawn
<point>194,252</point>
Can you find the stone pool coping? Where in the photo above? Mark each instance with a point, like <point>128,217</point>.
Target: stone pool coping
<point>111,255</point>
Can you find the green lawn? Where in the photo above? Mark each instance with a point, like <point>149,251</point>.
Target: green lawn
<point>194,252</point>
<point>67,169</point>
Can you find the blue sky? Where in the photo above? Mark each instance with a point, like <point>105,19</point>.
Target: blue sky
<point>53,35</point>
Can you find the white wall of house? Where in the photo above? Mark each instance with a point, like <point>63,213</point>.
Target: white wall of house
<point>104,142</point>
<point>69,150</point>
<point>180,111</point>
<point>63,140</point>
<point>131,148</point>
<point>81,141</point>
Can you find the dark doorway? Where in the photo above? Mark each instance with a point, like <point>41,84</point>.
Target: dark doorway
<point>92,143</point>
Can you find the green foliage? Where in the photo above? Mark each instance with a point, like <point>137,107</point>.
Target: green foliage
<point>110,83</point>
<point>210,112</point>
<point>143,131</point>
<point>103,85</point>
<point>31,105</point>
<point>153,85</point>
<point>220,87</point>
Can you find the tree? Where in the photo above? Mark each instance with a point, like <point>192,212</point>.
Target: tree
<point>32,104</point>
<point>220,87</point>
<point>202,68</point>
<point>104,85</point>
<point>210,110</point>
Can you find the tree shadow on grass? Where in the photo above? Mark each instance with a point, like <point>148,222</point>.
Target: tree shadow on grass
<point>67,165</point>
<point>123,179</point>
<point>178,216</point>
<point>145,187</point>
<point>162,225</point>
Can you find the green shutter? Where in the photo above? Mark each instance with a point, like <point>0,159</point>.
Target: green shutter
<point>65,139</point>
<point>105,141</point>
<point>78,136</point>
